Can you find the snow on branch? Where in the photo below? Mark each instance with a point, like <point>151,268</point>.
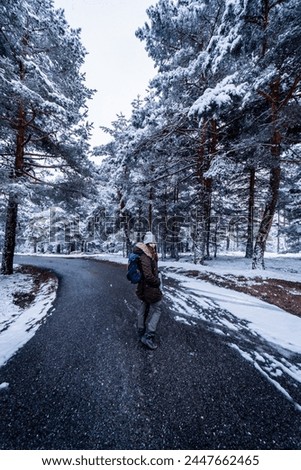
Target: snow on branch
<point>213,99</point>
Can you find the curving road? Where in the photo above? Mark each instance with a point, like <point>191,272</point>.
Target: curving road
<point>85,382</point>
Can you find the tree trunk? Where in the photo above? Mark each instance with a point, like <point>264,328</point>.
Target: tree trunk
<point>212,147</point>
<point>10,235</point>
<point>267,220</point>
<point>164,230</point>
<point>203,216</point>
<point>150,209</point>
<point>250,229</point>
<point>215,239</point>
<point>12,206</point>
<point>274,183</point>
<point>18,171</point>
<point>174,247</point>
<point>207,218</point>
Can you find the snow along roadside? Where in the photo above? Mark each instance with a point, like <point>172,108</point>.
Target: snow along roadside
<point>25,301</point>
<point>263,334</point>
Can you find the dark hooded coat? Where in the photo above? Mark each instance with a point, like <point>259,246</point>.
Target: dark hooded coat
<point>148,288</point>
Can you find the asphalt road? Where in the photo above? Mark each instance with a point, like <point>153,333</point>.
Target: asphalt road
<point>85,382</point>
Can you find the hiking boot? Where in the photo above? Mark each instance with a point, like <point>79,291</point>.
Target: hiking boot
<point>148,341</point>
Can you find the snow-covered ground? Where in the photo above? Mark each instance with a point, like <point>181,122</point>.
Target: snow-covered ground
<point>18,324</point>
<point>265,335</point>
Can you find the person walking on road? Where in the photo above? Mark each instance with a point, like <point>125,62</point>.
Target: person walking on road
<point>148,291</point>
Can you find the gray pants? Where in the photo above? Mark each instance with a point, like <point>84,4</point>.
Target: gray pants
<point>149,316</point>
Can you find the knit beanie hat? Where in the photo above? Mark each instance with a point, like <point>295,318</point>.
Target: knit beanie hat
<point>149,238</point>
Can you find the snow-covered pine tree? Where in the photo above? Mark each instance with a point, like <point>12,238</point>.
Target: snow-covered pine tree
<point>42,108</point>
<point>176,38</point>
<point>116,172</point>
<point>256,74</point>
<point>279,85</point>
<point>289,210</point>
<point>203,138</point>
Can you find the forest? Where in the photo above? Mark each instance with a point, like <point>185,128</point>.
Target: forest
<point>208,160</point>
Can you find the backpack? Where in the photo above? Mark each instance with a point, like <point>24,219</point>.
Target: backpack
<point>134,274</point>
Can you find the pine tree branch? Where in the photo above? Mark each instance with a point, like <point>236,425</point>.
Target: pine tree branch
<point>290,93</point>
<point>265,95</point>
<point>38,165</point>
<point>254,19</point>
<point>278,2</point>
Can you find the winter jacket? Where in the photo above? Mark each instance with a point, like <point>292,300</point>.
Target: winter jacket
<point>148,288</point>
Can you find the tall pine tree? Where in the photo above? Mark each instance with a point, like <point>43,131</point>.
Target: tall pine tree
<point>42,107</point>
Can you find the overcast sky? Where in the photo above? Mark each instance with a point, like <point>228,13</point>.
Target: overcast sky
<point>117,64</point>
